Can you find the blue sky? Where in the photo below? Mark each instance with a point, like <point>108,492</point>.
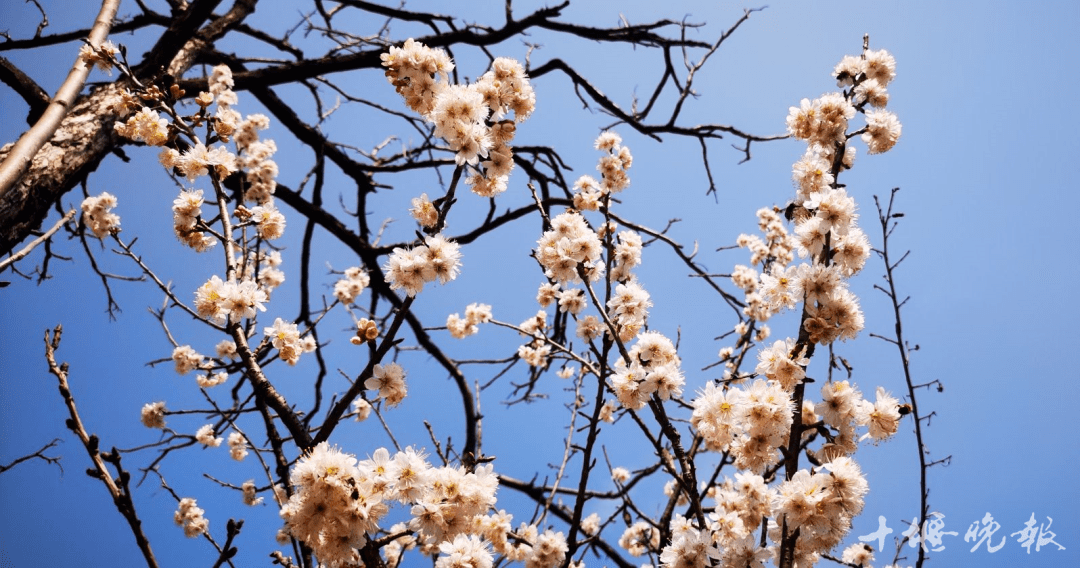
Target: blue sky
<point>987,177</point>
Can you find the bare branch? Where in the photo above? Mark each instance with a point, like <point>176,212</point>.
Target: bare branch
<point>33,244</point>
<point>118,488</point>
<point>40,454</point>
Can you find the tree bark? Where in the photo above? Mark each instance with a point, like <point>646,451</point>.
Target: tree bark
<point>84,137</point>
<point>86,134</point>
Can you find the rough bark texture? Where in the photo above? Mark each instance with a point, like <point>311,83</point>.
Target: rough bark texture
<point>86,134</point>
<point>85,137</point>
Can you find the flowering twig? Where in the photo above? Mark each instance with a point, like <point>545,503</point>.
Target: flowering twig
<point>225,553</point>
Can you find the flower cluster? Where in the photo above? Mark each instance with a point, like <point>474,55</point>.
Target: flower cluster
<point>250,493</point>
<point>424,211</point>
<point>255,160</point>
<point>186,359</point>
<point>843,408</point>
<point>570,300</point>
<point>101,56</point>
<point>187,208</point>
<point>628,308</point>
<point>97,214</point>
<point>825,215</point>
<point>218,300</point>
<point>339,501</point>
<point>270,276</point>
<point>823,122</point>
<point>237,446</point>
<point>781,363</point>
<point>750,422</point>
<point>653,368</point>
<point>334,508</point>
<point>689,547</point>
<point>362,408</point>
<point>144,126</point>
<point>867,78</point>
<point>569,247</point>
<point>366,332</point>
<point>536,352</point>
<point>205,436</point>
<point>389,380</point>
<point>627,255</point>
<point>153,415</point>
<point>741,504</point>
<point>269,222</point>
<point>775,289</point>
<point>820,504</point>
<point>437,259</point>
<point>465,551</point>
<point>821,501</point>
<point>474,314</point>
<point>208,379</point>
<point>285,337</point>
<point>199,160</point>
<point>418,73</point>
<point>190,516</point>
<point>349,288</point>
<point>590,193</point>
<point>471,118</point>
<point>640,538</point>
<point>754,421</point>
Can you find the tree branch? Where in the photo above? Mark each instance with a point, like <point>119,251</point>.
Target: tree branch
<point>18,160</point>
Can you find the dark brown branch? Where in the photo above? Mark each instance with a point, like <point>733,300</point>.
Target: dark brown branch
<point>40,454</point>
<point>181,29</point>
<point>118,488</point>
<point>138,22</point>
<point>26,88</point>
<point>370,59</point>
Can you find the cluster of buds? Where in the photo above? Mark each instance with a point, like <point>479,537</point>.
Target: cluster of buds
<point>366,332</point>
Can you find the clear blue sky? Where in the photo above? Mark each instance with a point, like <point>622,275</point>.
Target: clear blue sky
<point>987,170</point>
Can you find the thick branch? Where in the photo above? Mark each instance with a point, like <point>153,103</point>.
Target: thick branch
<point>18,160</point>
<point>172,40</point>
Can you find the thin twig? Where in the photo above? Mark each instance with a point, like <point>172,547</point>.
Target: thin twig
<point>33,244</point>
<point>118,488</point>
